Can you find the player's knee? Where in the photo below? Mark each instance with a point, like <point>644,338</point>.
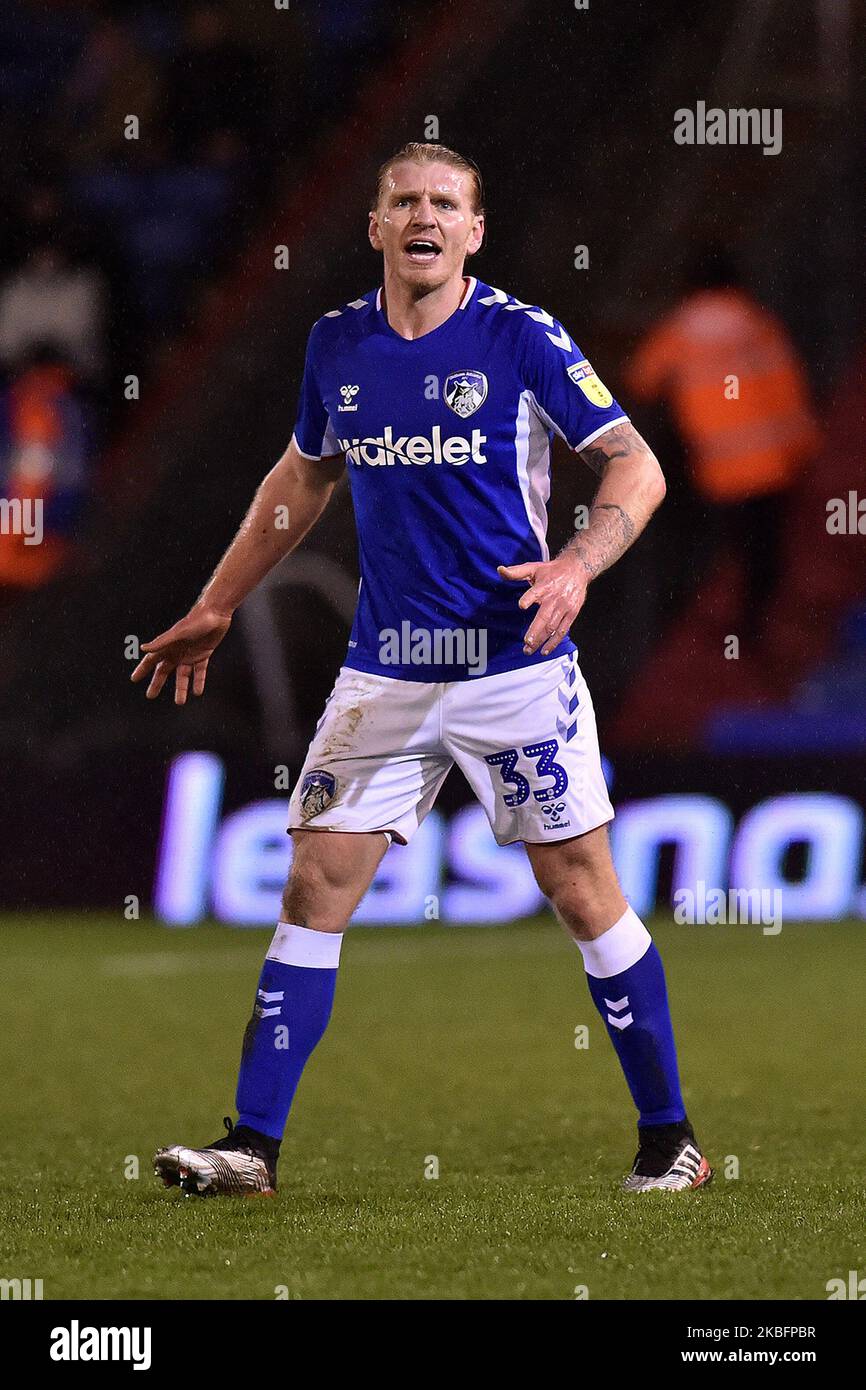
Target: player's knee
<point>309,899</point>
<point>574,903</point>
<point>580,881</point>
<point>568,875</point>
<point>583,891</point>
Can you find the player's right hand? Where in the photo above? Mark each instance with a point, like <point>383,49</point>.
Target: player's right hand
<point>185,649</point>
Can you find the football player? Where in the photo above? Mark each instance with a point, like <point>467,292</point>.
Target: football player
<point>440,395</point>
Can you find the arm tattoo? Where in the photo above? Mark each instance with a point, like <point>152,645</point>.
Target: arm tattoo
<point>623,520</point>
<point>622,441</point>
<point>605,539</point>
<point>610,445</point>
<point>615,525</point>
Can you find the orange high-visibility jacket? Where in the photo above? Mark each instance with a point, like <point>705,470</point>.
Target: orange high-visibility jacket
<point>736,389</point>
<point>35,428</point>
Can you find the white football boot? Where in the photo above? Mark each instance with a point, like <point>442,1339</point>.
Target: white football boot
<point>235,1166</point>
<point>668,1160</point>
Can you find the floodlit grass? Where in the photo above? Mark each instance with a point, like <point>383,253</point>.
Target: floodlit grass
<point>448,1042</point>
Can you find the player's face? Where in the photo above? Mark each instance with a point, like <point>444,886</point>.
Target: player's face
<point>424,224</point>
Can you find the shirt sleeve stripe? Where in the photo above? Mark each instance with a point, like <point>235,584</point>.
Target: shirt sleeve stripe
<point>314,458</point>
<point>602,429</point>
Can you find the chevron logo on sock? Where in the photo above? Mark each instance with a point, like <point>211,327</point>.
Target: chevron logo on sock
<point>617,1006</point>
<point>276,997</point>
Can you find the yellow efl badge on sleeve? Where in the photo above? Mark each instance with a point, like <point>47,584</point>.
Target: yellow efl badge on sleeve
<point>596,392</point>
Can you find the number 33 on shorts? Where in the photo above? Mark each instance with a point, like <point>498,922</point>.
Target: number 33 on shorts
<point>525,740</point>
<point>528,746</point>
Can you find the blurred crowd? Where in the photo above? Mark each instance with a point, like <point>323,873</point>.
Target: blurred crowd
<point>136,151</point>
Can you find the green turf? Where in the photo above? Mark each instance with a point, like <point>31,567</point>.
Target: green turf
<point>451,1042</point>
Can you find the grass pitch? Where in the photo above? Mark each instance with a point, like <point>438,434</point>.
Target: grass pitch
<point>453,1043</point>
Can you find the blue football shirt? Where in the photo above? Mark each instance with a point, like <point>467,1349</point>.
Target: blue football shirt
<point>447,444</point>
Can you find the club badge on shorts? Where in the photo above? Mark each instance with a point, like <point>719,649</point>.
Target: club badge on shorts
<point>318,790</point>
<point>464,392</point>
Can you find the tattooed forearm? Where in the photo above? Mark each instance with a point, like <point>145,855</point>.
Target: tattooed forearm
<point>625,520</point>
<point>631,488</point>
<point>606,538</point>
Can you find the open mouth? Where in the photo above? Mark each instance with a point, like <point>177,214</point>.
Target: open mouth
<point>422,252</point>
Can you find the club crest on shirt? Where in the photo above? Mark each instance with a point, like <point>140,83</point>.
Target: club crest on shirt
<point>464,392</point>
<point>596,392</point>
<point>318,790</point>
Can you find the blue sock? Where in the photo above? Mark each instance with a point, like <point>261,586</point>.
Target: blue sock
<point>291,1012</point>
<point>627,982</point>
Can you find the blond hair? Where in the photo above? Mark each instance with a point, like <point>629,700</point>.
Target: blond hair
<point>421,152</point>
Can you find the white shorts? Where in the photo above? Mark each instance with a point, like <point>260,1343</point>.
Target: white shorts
<point>525,740</point>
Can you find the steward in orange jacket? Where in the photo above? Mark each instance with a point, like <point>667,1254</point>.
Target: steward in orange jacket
<point>736,390</point>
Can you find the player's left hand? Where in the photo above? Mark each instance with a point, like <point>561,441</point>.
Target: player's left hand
<point>559,588</point>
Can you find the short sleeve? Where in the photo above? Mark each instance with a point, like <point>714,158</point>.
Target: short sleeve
<point>313,434</point>
<point>566,393</point>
